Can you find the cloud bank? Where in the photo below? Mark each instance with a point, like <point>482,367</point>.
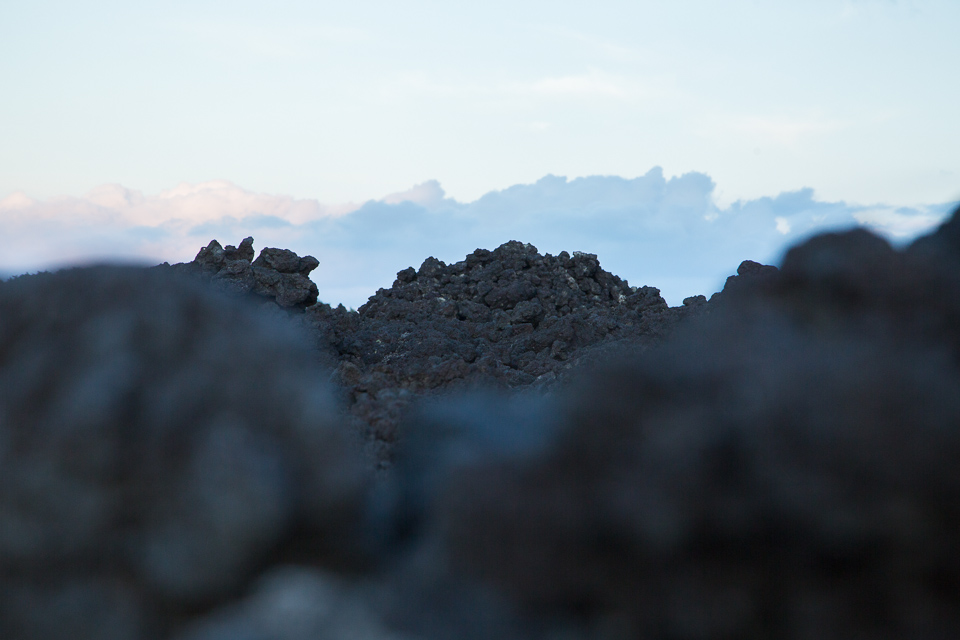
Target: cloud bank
<point>652,230</point>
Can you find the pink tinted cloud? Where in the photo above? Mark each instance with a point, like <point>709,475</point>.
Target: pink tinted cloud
<point>112,223</point>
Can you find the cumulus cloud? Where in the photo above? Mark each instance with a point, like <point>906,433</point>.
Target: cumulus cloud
<point>902,223</point>
<point>429,195</point>
<point>652,230</point>
<point>112,222</point>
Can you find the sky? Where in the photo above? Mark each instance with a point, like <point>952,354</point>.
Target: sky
<point>671,139</point>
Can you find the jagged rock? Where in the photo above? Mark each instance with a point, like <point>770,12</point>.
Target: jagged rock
<point>277,274</point>
<point>509,317</point>
<point>243,252</point>
<point>779,462</point>
<point>748,274</point>
<point>158,443</point>
<point>783,467</point>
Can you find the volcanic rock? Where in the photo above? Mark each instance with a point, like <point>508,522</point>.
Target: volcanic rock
<point>748,274</point>
<point>572,458</point>
<point>783,467</point>
<point>510,317</point>
<point>159,442</point>
<point>279,275</point>
<point>295,603</point>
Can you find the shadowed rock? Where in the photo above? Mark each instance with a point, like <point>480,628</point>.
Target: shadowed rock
<point>784,467</point>
<point>510,317</point>
<point>158,443</point>
<point>778,462</point>
<point>277,274</point>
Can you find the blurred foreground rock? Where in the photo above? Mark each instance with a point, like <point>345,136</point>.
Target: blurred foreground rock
<point>780,461</point>
<point>786,466</point>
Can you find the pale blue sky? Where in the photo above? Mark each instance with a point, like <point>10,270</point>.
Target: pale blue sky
<point>139,131</point>
<point>345,101</point>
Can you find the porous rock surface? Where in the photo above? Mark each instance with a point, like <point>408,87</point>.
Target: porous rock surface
<point>279,275</point>
<point>782,463</point>
<point>784,467</point>
<point>510,317</point>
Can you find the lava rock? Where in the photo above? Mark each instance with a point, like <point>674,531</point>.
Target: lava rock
<point>510,317</point>
<point>784,466</point>
<point>748,274</point>
<point>279,275</point>
<point>776,462</point>
<point>159,442</point>
<point>295,603</point>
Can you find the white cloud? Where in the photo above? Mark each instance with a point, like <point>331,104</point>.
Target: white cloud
<point>273,41</point>
<point>15,201</point>
<point>653,230</point>
<point>900,223</point>
<point>112,221</point>
<point>608,47</point>
<point>782,129</point>
<point>429,195</point>
<point>595,84</point>
<point>581,85</point>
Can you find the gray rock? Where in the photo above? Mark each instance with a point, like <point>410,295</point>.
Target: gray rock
<point>243,252</point>
<point>156,434</point>
<point>279,275</point>
<point>282,260</point>
<point>778,462</point>
<point>510,317</point>
<point>79,606</point>
<point>784,466</point>
<point>294,603</point>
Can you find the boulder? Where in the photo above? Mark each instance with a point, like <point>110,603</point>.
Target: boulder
<point>279,275</point>
<point>159,442</point>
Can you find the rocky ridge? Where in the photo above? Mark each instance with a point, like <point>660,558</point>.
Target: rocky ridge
<point>783,467</point>
<point>159,441</point>
<point>278,275</point>
<point>776,462</point>
<point>510,317</point>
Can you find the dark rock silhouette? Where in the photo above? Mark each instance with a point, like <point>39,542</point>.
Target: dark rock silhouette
<point>748,273</point>
<point>571,457</point>
<point>510,317</point>
<point>279,275</point>
<point>158,442</point>
<point>785,467</point>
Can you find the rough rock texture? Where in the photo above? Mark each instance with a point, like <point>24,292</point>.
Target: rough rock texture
<point>158,443</point>
<point>785,467</point>
<point>509,317</point>
<point>279,275</point>
<point>782,464</point>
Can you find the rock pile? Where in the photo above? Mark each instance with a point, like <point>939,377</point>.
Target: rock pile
<point>158,444</point>
<point>510,317</point>
<point>785,467</point>
<point>781,464</point>
<point>279,275</point>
